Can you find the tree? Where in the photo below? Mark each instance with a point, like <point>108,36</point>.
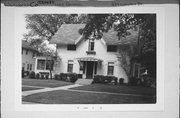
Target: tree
<point>146,24</point>
<point>42,27</point>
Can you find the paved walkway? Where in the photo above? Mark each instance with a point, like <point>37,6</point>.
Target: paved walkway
<point>26,93</point>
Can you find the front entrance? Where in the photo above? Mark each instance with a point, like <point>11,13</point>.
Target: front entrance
<point>89,72</point>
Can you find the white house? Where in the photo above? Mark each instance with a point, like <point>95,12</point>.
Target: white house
<point>89,57</point>
<point>28,56</point>
<point>33,60</point>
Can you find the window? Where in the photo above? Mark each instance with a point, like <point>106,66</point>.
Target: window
<point>71,47</point>
<point>27,66</point>
<point>22,51</point>
<point>110,68</point>
<point>33,54</point>
<point>30,68</point>
<point>112,48</point>
<point>41,64</point>
<point>48,64</point>
<point>70,66</point>
<point>91,45</point>
<point>26,52</point>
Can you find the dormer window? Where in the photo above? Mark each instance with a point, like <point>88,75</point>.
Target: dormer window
<point>91,45</point>
<point>112,48</point>
<point>91,48</point>
<point>71,47</point>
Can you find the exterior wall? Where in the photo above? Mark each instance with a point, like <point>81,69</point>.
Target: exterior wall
<point>28,59</point>
<point>101,53</point>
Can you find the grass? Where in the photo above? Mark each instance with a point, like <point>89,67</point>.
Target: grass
<point>72,97</point>
<point>118,89</point>
<point>44,83</point>
<point>29,88</point>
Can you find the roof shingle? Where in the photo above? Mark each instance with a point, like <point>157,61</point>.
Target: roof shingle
<point>69,33</point>
<point>26,45</point>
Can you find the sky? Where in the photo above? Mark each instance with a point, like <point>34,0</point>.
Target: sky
<point>21,26</point>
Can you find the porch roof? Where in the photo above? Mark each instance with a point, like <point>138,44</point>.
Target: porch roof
<point>89,59</point>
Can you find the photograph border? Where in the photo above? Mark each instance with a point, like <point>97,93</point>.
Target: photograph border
<point>159,106</point>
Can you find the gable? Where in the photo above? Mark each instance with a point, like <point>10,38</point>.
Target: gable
<point>67,34</point>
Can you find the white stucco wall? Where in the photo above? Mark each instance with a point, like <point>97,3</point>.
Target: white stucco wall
<point>101,53</point>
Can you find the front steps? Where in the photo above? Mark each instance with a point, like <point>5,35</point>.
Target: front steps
<point>84,81</point>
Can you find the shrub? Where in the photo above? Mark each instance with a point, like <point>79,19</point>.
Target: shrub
<point>133,81</point>
<point>57,77</point>
<point>32,75</point>
<point>121,80</point>
<point>97,79</point>
<point>46,76</point>
<point>42,77</point>
<point>72,77</point>
<point>37,75</point>
<point>63,76</point>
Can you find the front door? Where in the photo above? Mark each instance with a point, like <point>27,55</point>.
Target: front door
<point>89,72</point>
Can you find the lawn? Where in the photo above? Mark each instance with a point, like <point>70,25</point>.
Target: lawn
<point>29,88</point>
<point>44,83</point>
<point>118,89</point>
<point>73,97</point>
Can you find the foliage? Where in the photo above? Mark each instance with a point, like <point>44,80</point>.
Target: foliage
<point>32,75</point>
<point>104,79</point>
<point>37,75</point>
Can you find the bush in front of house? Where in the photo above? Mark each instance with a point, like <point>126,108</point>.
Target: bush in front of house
<point>133,81</point>
<point>37,75</point>
<point>97,78</point>
<point>63,76</point>
<point>121,81</point>
<point>105,79</point>
<point>57,77</point>
<point>72,77</point>
<point>32,75</point>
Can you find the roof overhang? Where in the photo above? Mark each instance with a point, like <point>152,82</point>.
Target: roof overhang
<point>89,59</point>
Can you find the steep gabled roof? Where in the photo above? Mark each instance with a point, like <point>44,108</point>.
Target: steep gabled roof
<point>69,34</point>
<point>26,45</point>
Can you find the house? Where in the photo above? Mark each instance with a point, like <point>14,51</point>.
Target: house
<point>90,57</point>
<point>33,60</point>
<point>28,56</point>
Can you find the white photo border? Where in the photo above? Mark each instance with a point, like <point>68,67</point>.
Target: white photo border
<point>159,106</point>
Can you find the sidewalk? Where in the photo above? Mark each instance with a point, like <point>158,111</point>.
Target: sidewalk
<point>26,93</point>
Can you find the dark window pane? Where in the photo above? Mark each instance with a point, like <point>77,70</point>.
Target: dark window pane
<point>110,68</point>
<point>26,52</point>
<point>71,47</point>
<point>112,48</point>
<point>41,64</point>
<point>70,66</point>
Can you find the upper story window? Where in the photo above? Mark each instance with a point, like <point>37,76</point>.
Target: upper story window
<point>112,48</point>
<point>91,45</point>
<point>33,54</point>
<point>71,47</point>
<point>26,52</point>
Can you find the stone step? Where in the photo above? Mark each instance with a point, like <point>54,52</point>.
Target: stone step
<point>84,81</point>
